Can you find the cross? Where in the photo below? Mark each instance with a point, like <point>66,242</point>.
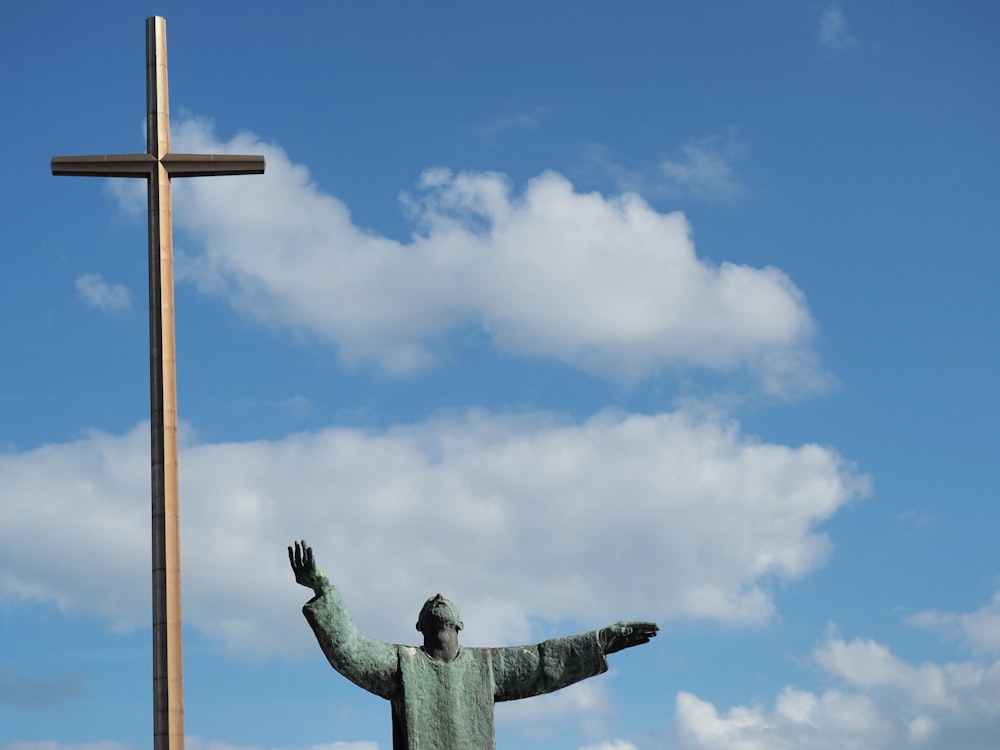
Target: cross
<point>158,166</point>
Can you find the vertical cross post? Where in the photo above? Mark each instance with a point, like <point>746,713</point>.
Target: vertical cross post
<point>158,166</point>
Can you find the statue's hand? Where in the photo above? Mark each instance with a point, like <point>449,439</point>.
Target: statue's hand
<point>300,556</point>
<point>623,635</point>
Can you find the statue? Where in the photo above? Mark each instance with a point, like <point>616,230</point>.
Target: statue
<point>442,695</point>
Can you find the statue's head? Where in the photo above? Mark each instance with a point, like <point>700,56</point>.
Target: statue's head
<point>437,611</point>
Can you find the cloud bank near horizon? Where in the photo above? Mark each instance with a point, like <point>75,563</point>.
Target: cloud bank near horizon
<point>877,700</point>
<point>664,516</point>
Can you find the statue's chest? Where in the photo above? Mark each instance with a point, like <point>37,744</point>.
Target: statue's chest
<point>448,704</point>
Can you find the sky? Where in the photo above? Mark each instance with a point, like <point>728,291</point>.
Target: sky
<point>575,312</point>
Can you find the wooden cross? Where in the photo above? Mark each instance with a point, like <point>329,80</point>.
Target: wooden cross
<point>158,166</point>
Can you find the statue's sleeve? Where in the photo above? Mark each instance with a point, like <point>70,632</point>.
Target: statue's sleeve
<point>365,661</point>
<point>524,671</point>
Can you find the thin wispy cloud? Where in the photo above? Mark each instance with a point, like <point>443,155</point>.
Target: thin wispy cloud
<point>297,407</point>
<point>833,29</point>
<point>22,691</point>
<point>95,292</point>
<point>915,517</point>
<point>705,170</point>
<point>521,121</point>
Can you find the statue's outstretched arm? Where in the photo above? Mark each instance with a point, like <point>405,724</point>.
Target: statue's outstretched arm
<point>624,635</point>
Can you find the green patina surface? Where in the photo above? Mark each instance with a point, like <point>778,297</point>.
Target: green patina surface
<point>446,705</point>
<point>442,696</point>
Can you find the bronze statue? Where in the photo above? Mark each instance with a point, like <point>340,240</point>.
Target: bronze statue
<point>442,695</point>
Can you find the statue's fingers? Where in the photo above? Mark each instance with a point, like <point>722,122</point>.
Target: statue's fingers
<point>291,557</point>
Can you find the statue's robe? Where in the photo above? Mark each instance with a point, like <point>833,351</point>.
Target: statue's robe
<point>440,705</point>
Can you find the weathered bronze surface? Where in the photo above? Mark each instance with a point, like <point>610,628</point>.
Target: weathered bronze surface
<point>442,695</point>
<point>158,166</point>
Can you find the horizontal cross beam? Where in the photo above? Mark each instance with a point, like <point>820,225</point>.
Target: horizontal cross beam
<point>144,165</point>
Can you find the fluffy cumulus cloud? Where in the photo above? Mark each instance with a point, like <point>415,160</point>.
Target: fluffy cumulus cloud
<point>603,283</point>
<point>523,520</point>
<point>880,701</point>
<point>829,721</point>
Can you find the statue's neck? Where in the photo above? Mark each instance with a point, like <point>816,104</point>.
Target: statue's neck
<point>441,646</point>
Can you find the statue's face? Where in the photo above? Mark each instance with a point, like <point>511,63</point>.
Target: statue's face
<point>438,612</point>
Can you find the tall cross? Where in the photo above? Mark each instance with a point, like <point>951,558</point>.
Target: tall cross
<point>158,166</point>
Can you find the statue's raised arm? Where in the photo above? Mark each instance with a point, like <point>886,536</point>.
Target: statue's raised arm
<point>365,661</point>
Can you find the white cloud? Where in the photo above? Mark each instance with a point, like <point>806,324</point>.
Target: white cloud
<point>606,284</point>
<point>474,506</point>
<point>611,745</point>
<point>583,708</point>
<point>980,630</point>
<point>882,703</point>
<point>96,292</point>
<point>869,665</point>
<point>833,30</point>
<point>54,745</point>
<point>591,698</point>
<point>799,721</point>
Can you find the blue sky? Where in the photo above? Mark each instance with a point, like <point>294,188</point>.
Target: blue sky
<point>575,313</point>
